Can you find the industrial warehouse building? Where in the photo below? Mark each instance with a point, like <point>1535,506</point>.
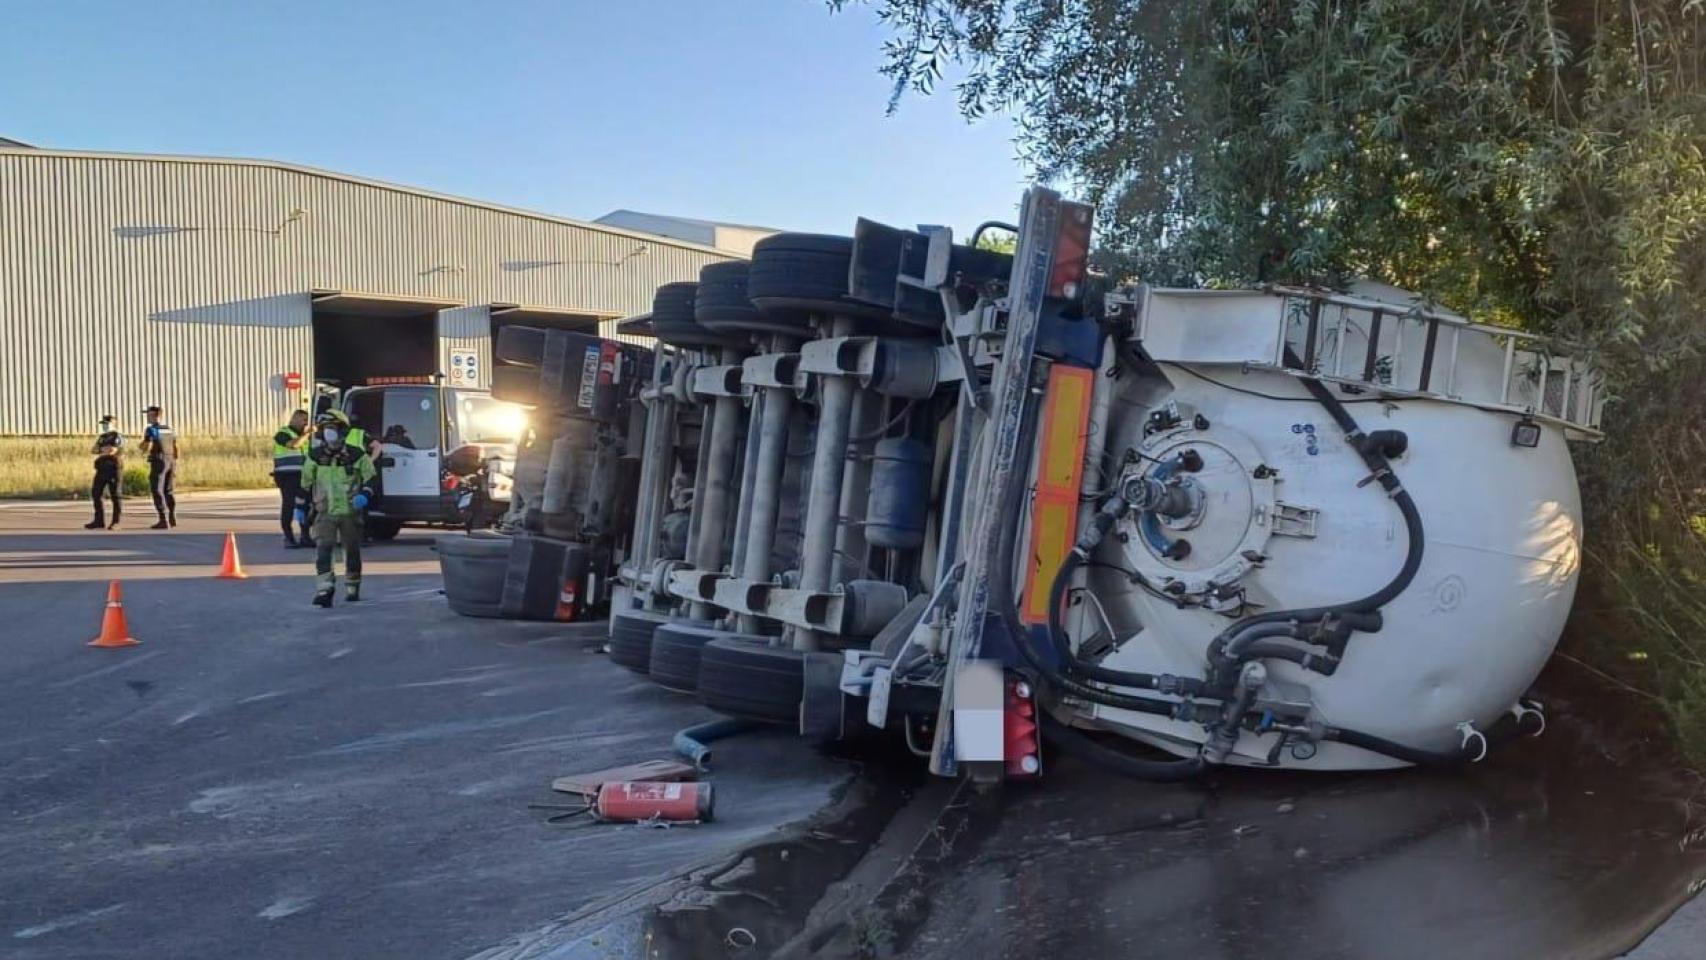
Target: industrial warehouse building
<point>200,283</point>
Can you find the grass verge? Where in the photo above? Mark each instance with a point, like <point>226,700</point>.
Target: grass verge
<point>60,467</point>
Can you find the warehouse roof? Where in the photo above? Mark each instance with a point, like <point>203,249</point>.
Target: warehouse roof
<point>13,146</point>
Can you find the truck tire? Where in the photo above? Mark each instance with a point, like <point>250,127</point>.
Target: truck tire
<point>722,306</point>
<point>631,639</point>
<point>473,571</point>
<point>675,655</point>
<point>806,272</point>
<point>674,319</point>
<point>744,676</point>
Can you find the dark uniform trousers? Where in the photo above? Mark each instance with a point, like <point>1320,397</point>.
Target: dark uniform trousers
<point>160,473</point>
<point>107,483</point>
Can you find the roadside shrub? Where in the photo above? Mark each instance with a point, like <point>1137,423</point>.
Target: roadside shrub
<point>1642,616</point>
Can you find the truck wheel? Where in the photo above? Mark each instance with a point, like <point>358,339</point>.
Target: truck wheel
<point>721,305</point>
<point>676,323</point>
<point>805,272</point>
<point>744,676</point>
<point>382,528</point>
<point>473,571</point>
<point>631,639</point>
<point>675,655</point>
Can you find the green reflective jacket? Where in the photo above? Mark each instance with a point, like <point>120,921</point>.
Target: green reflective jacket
<point>331,478</point>
<point>287,458</point>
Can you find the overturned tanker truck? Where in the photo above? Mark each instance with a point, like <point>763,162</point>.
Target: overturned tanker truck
<point>1007,508</point>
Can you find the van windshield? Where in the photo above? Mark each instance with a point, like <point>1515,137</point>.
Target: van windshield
<point>483,419</point>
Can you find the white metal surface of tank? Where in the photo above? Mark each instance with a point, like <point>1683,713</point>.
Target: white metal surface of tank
<point>1460,645</point>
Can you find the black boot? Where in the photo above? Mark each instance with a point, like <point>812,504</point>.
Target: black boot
<point>159,524</point>
<point>94,524</point>
<point>352,592</point>
<point>323,599</point>
<point>290,540</point>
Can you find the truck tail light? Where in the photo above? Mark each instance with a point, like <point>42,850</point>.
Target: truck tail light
<point>1071,252</point>
<point>1022,739</point>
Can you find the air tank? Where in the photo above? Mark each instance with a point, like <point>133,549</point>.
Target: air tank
<point>899,503</point>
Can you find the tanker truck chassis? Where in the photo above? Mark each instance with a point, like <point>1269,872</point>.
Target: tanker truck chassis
<point>1004,506</point>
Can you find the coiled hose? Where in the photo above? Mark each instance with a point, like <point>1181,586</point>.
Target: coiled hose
<point>1002,601</point>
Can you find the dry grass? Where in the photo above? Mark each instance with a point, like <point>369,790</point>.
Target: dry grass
<point>58,467</point>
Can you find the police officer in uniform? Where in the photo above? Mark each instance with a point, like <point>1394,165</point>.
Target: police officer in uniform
<point>337,479</point>
<point>109,472</point>
<point>160,443</point>
<point>290,447</point>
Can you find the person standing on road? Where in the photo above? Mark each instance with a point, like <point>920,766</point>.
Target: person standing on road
<point>337,480</point>
<point>160,443</point>
<point>289,451</point>
<point>109,474</point>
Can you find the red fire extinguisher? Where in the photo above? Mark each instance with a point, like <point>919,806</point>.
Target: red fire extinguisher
<point>634,801</point>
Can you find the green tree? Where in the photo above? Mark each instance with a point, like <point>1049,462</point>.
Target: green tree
<point>1539,163</point>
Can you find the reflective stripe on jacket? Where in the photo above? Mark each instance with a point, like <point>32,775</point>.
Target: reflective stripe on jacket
<point>285,458</point>
<point>331,478</point>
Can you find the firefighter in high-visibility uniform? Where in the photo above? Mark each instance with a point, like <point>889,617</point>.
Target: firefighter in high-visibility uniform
<point>337,479</point>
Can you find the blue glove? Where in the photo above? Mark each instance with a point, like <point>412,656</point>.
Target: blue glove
<point>300,515</point>
<point>359,501</point>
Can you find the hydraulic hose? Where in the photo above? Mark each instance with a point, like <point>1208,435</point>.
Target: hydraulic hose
<point>1073,743</point>
<point>1221,652</point>
<point>1002,601</point>
<point>1324,663</point>
<point>1508,728</point>
<point>1183,686</point>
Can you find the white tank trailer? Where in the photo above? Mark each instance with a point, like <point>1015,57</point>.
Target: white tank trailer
<point>1004,508</point>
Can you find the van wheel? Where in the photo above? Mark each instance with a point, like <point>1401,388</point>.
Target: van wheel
<point>381,528</point>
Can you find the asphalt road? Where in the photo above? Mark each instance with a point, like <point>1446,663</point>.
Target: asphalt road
<point>261,778</point>
<point>264,779</point>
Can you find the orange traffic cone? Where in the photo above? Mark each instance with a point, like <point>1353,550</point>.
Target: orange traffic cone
<point>114,631</point>
<point>231,568</point>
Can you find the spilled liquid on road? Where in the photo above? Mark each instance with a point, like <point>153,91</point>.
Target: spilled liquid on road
<point>1572,845</point>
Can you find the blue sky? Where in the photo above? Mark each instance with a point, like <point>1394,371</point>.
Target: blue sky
<point>757,111</point>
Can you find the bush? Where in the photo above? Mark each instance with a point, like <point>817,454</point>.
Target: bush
<point>1642,615</point>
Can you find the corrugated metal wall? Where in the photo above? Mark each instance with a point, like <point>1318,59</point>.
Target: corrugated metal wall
<point>132,280</point>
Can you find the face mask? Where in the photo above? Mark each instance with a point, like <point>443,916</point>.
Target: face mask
<point>330,434</point>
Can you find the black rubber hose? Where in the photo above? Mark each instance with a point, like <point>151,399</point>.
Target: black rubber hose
<point>1308,660</point>
<point>1001,600</point>
<point>1381,469</point>
<point>1419,757</point>
<point>1071,742</point>
<point>1184,686</point>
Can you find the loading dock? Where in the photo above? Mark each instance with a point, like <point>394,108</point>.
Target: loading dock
<point>360,336</point>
